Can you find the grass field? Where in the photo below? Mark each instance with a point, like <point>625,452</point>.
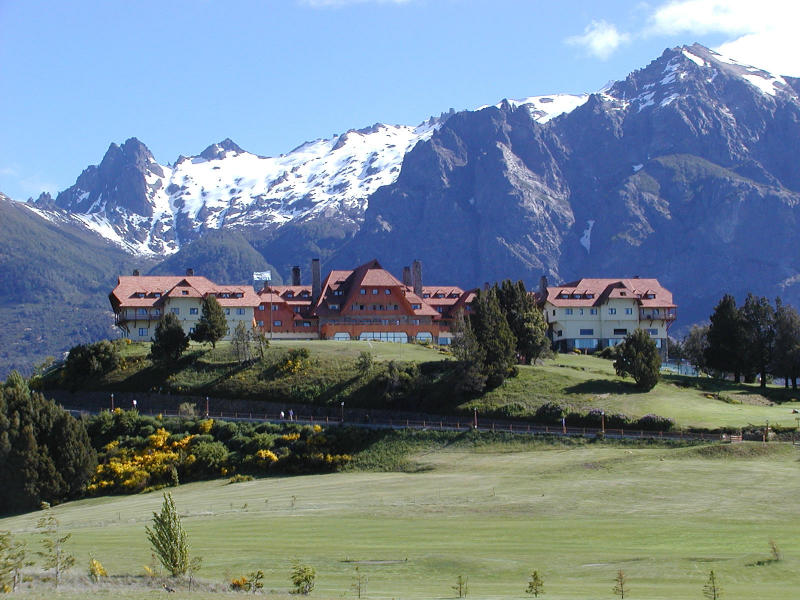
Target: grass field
<point>579,513</point>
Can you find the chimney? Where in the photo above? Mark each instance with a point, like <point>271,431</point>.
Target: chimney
<point>407,276</point>
<point>296,275</point>
<point>416,277</point>
<point>136,272</point>
<point>543,287</point>
<point>316,280</point>
<point>189,272</point>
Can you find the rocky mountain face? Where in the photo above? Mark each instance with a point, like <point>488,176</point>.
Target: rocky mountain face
<point>682,171</point>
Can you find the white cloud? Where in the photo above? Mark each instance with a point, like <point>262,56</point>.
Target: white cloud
<point>599,38</point>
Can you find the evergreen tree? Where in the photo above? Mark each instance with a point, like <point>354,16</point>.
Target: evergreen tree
<point>212,325</point>
<point>45,454</point>
<point>712,590</point>
<point>786,355</point>
<point>168,538</point>
<point>54,553</point>
<point>470,356</point>
<point>759,331</point>
<point>524,319</point>
<point>169,341</point>
<point>639,358</point>
<point>494,337</point>
<point>726,339</point>
<point>535,585</point>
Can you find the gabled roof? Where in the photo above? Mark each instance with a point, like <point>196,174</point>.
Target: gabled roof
<point>594,292</point>
<point>155,288</point>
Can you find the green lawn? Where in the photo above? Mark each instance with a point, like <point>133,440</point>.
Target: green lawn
<point>665,516</point>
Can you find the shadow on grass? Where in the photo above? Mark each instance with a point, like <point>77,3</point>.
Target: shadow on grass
<point>714,385</point>
<point>603,386</point>
<point>154,376</point>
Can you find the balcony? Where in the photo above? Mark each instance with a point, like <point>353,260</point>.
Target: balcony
<point>658,314</point>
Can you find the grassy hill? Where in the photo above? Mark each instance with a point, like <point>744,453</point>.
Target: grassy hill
<point>488,508</point>
<point>420,379</point>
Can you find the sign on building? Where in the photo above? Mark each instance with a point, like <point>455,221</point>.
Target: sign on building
<point>262,275</point>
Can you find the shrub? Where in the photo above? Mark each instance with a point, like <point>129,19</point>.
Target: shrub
<point>655,423</point>
<point>89,361</point>
<point>551,413</point>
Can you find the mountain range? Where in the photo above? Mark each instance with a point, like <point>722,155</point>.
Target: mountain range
<point>682,171</point>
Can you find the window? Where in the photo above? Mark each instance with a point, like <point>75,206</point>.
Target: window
<point>333,306</point>
<point>274,307</point>
<point>142,331</point>
<point>426,295</point>
<point>239,311</point>
<point>612,311</point>
<point>259,323</point>
<point>140,295</point>
<point>157,294</point>
<point>592,311</point>
<point>184,293</point>
<point>387,291</point>
<point>623,294</point>
<point>440,295</point>
<point>374,291</point>
<point>440,309</point>
<point>192,311</point>
<point>297,309</point>
<point>338,292</point>
<point>362,291</point>
<point>587,331</point>
<point>157,312</point>
<point>628,311</point>
<point>589,344</point>
<point>567,311</point>
<point>653,332</point>
<point>141,311</point>
<point>560,332</point>
<point>260,307</point>
<point>620,332</point>
<point>191,329</point>
<point>341,337</point>
<point>655,311</point>
<point>415,321</point>
<point>290,294</point>
<point>306,323</point>
<point>554,312</point>
<point>416,306</point>
<point>277,323</point>
<point>175,311</point>
<point>396,307</point>
<point>580,311</point>
<point>590,296</point>
<point>227,311</point>
<point>650,296</point>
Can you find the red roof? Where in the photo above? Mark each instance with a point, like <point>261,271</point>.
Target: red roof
<point>593,292</point>
<point>150,290</point>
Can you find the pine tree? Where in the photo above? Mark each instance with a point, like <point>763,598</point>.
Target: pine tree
<point>168,538</point>
<point>470,356</point>
<point>620,584</point>
<point>54,553</point>
<point>639,358</point>
<point>726,339</point>
<point>169,341</point>
<point>494,337</point>
<point>535,585</point>
<point>786,355</point>
<point>712,590</point>
<point>524,319</point>
<point>212,325</point>
<point>13,555</point>
<point>759,331</point>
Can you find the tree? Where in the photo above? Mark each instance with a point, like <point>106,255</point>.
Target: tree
<point>494,337</point>
<point>695,344</point>
<point>535,585</point>
<point>786,354</point>
<point>639,358</point>
<point>261,342</point>
<point>462,586</point>
<point>45,453</point>
<point>620,584</point>
<point>303,578</point>
<point>712,590</point>
<point>726,338</point>
<point>169,341</point>
<point>54,554</point>
<point>759,330</point>
<point>470,356</point>
<point>212,325</point>
<point>241,343</point>
<point>88,361</point>
<point>168,538</point>
<point>12,560</point>
<point>524,319</point>
<point>359,585</point>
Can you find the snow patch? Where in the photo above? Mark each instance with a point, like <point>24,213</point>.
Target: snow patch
<point>694,58</point>
<point>765,84</point>
<point>669,99</point>
<point>586,238</point>
<point>637,168</point>
<point>545,108</point>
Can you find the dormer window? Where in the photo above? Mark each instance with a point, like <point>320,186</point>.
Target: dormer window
<point>426,295</point>
<point>184,292</point>
<point>140,295</point>
<point>590,296</point>
<point>333,306</point>
<point>563,295</point>
<point>338,292</point>
<point>650,296</point>
<point>440,295</point>
<point>304,295</point>
<point>623,294</point>
<point>290,294</point>
<point>416,306</point>
<point>238,295</point>
<point>157,294</point>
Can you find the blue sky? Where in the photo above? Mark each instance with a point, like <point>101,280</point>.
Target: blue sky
<point>271,74</point>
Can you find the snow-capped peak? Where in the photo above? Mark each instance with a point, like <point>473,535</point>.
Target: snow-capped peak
<point>545,108</point>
